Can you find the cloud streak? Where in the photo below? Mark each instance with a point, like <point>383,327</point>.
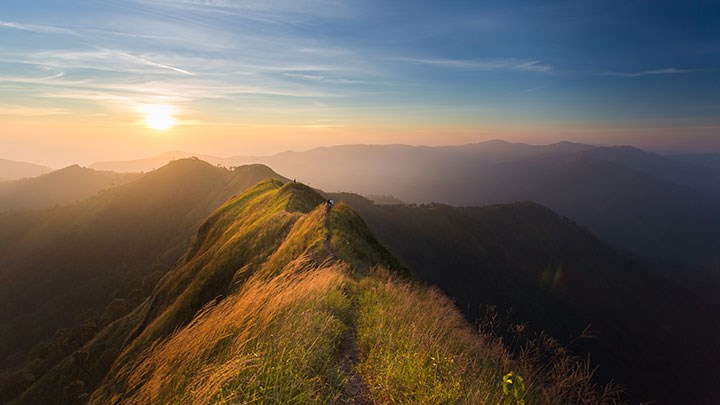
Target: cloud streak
<point>155,64</point>
<point>653,72</point>
<point>37,28</point>
<point>483,65</point>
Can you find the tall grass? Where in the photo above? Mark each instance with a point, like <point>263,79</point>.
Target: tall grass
<point>416,348</point>
<point>296,327</point>
<point>279,340</point>
<point>274,341</point>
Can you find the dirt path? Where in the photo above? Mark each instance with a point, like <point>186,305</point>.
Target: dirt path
<point>355,391</point>
<point>328,234</point>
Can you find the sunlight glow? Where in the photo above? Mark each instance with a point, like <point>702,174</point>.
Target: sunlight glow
<point>159,116</point>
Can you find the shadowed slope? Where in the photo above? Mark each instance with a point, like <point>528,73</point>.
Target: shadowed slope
<point>560,278</point>
<point>60,269</point>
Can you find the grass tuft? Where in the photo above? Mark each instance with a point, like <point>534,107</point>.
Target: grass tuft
<point>274,341</point>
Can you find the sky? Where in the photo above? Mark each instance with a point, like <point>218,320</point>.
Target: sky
<point>84,81</point>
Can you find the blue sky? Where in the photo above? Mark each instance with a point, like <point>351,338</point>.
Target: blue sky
<point>635,72</point>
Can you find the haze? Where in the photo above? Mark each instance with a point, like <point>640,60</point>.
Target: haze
<point>254,77</point>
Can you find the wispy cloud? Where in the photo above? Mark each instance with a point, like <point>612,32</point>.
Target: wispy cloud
<point>28,79</point>
<point>653,72</point>
<point>483,64</point>
<point>39,28</point>
<point>305,76</point>
<point>156,64</point>
<point>276,11</point>
<point>23,111</point>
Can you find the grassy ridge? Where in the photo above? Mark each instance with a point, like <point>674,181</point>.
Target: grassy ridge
<point>280,341</point>
<point>271,301</point>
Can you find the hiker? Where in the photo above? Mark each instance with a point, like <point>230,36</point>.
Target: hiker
<point>329,204</point>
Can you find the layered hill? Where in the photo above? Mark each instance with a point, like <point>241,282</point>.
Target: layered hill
<point>66,272</point>
<point>662,210</point>
<point>150,163</point>
<point>60,187</point>
<point>282,299</point>
<point>107,253</point>
<point>13,170</point>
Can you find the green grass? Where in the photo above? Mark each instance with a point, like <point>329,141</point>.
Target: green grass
<point>417,348</point>
<point>287,315</point>
<point>352,241</point>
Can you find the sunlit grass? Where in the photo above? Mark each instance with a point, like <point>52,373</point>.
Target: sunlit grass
<point>275,341</point>
<point>280,333</point>
<point>418,349</point>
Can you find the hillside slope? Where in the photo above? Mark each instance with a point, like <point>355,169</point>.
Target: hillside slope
<point>68,271</point>
<point>559,278</point>
<point>279,299</point>
<point>61,187</point>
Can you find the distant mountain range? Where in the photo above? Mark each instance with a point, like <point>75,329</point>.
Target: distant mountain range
<point>60,187</point>
<point>150,163</point>
<point>708,160</point>
<point>663,210</point>
<point>12,170</point>
<point>107,278</point>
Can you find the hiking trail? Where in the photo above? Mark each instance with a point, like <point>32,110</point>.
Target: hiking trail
<point>354,391</point>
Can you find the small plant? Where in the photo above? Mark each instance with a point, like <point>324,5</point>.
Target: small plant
<point>514,388</point>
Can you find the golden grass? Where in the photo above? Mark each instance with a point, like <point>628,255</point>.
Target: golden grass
<point>277,336</point>
<point>274,341</point>
<point>278,340</point>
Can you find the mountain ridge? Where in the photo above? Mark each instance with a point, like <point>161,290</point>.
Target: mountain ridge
<point>260,309</point>
<point>515,239</point>
<point>58,263</point>
<point>60,187</point>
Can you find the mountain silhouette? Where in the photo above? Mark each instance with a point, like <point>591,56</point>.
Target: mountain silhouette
<point>60,187</point>
<point>12,170</point>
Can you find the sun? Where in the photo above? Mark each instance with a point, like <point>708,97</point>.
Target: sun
<point>159,116</point>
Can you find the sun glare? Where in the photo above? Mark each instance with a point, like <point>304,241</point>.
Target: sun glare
<point>158,116</point>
